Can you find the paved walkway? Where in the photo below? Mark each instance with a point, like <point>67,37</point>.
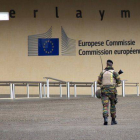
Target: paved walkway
<point>63,119</point>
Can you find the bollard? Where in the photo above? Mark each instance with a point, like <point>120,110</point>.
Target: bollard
<point>60,90</point>
<point>123,88</point>
<point>137,90</point>
<point>27,90</point>
<point>95,88</point>
<point>40,90</point>
<point>11,90</point>
<point>68,89</point>
<point>92,94</point>
<point>48,94</point>
<point>44,90</point>
<point>75,94</point>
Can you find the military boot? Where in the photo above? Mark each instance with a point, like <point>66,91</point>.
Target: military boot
<point>113,122</point>
<point>105,121</point>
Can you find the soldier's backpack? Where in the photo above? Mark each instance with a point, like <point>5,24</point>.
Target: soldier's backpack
<point>108,78</point>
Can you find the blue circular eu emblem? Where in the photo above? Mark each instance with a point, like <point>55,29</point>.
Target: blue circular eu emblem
<point>48,47</point>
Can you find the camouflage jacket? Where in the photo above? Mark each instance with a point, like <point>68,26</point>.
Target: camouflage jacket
<point>115,75</point>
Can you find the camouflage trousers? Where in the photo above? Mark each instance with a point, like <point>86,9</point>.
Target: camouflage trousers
<point>109,94</point>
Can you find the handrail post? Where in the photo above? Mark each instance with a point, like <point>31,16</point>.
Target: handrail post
<point>92,94</point>
<point>68,89</point>
<point>44,90</point>
<point>60,90</point>
<point>123,88</point>
<point>137,90</point>
<point>48,94</point>
<point>11,90</point>
<point>40,90</point>
<point>27,90</point>
<point>95,88</point>
<point>75,94</point>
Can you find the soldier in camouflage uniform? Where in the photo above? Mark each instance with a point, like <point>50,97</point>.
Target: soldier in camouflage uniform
<point>108,79</point>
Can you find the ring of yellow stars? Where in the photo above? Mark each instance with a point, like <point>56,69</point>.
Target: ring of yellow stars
<point>46,47</point>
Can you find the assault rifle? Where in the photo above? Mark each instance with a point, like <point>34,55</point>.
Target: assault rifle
<point>120,72</point>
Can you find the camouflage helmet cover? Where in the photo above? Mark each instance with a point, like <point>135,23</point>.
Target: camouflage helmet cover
<point>98,93</point>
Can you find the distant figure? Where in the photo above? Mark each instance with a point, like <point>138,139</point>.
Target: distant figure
<point>108,79</point>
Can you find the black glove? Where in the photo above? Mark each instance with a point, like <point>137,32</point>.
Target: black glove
<point>116,99</point>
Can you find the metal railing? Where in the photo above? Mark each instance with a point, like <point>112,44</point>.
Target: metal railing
<point>124,84</point>
<point>60,83</point>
